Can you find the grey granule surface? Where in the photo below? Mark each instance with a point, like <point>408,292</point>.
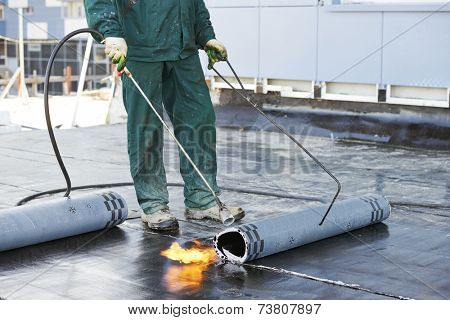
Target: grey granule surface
<point>405,257</point>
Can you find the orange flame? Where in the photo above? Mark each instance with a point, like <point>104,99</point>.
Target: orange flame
<point>197,254</point>
<point>187,278</point>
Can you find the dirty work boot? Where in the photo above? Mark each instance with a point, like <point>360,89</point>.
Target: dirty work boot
<point>161,220</point>
<point>213,213</point>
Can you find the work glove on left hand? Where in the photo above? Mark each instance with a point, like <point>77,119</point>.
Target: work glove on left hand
<point>116,49</point>
<point>216,52</point>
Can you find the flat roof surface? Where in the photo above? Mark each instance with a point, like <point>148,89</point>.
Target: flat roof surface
<point>407,256</point>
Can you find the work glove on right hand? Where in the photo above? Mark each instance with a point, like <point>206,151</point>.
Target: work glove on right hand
<point>216,52</point>
<point>116,49</point>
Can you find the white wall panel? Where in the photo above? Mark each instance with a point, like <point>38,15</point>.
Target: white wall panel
<point>288,43</point>
<point>276,39</point>
<point>281,3</point>
<point>238,30</point>
<point>420,53</point>
<point>231,3</point>
<point>36,30</point>
<point>348,44</point>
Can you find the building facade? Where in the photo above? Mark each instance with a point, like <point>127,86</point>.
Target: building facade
<point>46,22</point>
<point>44,19</point>
<point>349,49</point>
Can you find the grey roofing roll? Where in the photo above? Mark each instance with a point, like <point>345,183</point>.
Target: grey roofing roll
<point>276,234</point>
<point>50,220</point>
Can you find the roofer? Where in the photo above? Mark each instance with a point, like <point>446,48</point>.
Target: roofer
<point>160,40</point>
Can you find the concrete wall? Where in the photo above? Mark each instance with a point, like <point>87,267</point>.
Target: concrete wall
<point>380,44</point>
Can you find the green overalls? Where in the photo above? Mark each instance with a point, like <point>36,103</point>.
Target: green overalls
<point>163,38</point>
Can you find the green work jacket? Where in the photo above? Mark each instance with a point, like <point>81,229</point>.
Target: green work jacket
<point>149,35</point>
